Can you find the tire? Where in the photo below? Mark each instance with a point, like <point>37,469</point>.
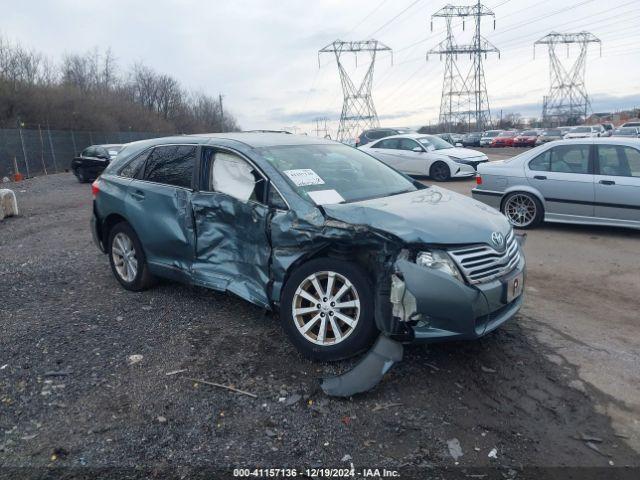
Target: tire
<point>330,346</point>
<point>523,210</point>
<point>82,177</point>
<point>122,235</point>
<point>440,172</point>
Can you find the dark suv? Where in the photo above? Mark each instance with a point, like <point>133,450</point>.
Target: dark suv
<point>378,133</point>
<point>93,160</point>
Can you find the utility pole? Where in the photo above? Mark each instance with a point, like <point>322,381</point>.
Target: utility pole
<point>221,113</point>
<point>358,111</point>
<point>567,100</point>
<point>464,95</point>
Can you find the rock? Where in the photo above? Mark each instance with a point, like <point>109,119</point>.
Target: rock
<point>293,399</point>
<point>8,203</point>
<point>161,419</point>
<point>493,453</point>
<point>346,458</point>
<point>455,449</point>
<point>133,359</point>
<point>270,433</point>
<point>487,369</point>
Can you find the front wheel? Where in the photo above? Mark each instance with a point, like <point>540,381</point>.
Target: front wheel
<point>440,172</point>
<point>327,309</point>
<point>523,210</point>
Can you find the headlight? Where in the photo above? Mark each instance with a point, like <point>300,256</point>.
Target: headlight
<point>438,260</point>
<point>457,160</point>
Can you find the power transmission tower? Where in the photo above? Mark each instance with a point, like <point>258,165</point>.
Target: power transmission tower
<point>464,96</point>
<point>358,111</point>
<point>567,100</point>
<point>321,127</point>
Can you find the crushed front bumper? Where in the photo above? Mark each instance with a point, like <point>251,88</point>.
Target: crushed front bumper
<point>447,309</point>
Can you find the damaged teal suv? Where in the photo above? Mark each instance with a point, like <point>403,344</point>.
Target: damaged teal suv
<point>342,246</point>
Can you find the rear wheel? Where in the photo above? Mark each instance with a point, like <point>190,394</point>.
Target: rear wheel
<point>440,172</point>
<point>127,259</point>
<point>523,210</point>
<point>82,177</point>
<point>327,309</point>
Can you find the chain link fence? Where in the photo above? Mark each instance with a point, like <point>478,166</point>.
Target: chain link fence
<point>42,151</point>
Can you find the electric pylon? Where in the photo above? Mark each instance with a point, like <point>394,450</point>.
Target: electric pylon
<point>464,96</point>
<point>567,100</point>
<point>358,111</point>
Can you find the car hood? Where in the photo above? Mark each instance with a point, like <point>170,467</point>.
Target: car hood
<point>458,152</point>
<point>433,216</point>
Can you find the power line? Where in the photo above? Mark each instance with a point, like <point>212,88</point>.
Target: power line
<point>394,18</point>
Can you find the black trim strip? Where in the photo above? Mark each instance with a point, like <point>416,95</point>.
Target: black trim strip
<point>484,192</point>
<point>595,204</point>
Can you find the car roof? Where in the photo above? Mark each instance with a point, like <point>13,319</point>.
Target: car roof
<point>410,135</point>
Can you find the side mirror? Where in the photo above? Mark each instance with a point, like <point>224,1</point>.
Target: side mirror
<point>417,149</point>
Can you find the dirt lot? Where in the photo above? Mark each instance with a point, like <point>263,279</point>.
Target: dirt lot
<point>567,367</point>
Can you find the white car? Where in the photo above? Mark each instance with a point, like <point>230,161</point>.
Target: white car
<point>592,131</point>
<point>418,154</point>
<point>488,136</point>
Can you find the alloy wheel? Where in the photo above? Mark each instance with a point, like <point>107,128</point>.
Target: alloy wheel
<point>124,257</point>
<point>520,210</point>
<point>440,171</point>
<point>326,308</point>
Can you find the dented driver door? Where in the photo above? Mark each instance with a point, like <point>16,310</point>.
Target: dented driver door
<point>232,244</point>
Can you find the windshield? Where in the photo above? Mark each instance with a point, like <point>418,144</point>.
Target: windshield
<point>507,134</point>
<point>492,133</point>
<point>529,133</point>
<point>326,174</point>
<point>436,142</point>
<point>625,131</point>
<point>552,133</point>
<point>581,129</point>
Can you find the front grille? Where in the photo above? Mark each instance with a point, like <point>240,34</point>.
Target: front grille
<point>481,263</point>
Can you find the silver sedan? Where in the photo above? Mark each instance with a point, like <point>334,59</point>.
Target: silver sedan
<point>587,181</point>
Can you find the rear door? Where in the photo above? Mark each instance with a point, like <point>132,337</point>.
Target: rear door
<point>564,176</point>
<point>617,183</point>
<point>231,219</point>
<point>158,206</point>
<point>388,151</point>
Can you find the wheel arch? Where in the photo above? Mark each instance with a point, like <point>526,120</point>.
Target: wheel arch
<point>109,222</point>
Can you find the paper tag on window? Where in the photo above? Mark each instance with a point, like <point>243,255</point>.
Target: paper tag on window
<point>303,177</point>
<point>325,197</point>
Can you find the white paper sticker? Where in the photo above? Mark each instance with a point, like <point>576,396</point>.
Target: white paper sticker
<point>325,197</point>
<point>303,177</point>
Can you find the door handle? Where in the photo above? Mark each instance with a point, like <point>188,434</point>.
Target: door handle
<point>607,182</point>
<point>138,194</point>
<point>539,177</point>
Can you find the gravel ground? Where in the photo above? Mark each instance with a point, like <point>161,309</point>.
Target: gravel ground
<point>69,396</point>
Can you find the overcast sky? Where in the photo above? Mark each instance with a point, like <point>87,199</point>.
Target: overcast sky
<point>262,55</point>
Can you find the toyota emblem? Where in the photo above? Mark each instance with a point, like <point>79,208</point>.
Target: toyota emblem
<point>498,239</point>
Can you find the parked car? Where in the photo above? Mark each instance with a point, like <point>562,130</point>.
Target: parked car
<point>378,133</point>
<point>488,136</point>
<point>633,123</point>
<point>341,245</point>
<point>452,138</point>
<point>527,138</point>
<point>417,154</point>
<point>586,131</point>
<point>471,139</point>
<point>608,129</point>
<point>93,160</point>
<point>587,181</point>
<point>505,139</point>
<point>549,135</point>
<point>627,132</point>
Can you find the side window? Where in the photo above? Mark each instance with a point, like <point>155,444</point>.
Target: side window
<point>275,200</point>
<point>570,159</point>
<point>376,134</point>
<point>85,152</point>
<point>132,168</point>
<point>171,165</point>
<point>541,163</point>
<point>389,143</point>
<point>407,144</point>
<point>234,176</point>
<point>619,161</point>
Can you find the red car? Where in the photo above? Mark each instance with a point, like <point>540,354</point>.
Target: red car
<point>526,139</point>
<point>505,139</point>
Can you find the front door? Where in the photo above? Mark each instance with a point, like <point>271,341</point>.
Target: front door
<point>231,219</point>
<point>617,183</point>
<point>564,176</point>
<point>157,207</point>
